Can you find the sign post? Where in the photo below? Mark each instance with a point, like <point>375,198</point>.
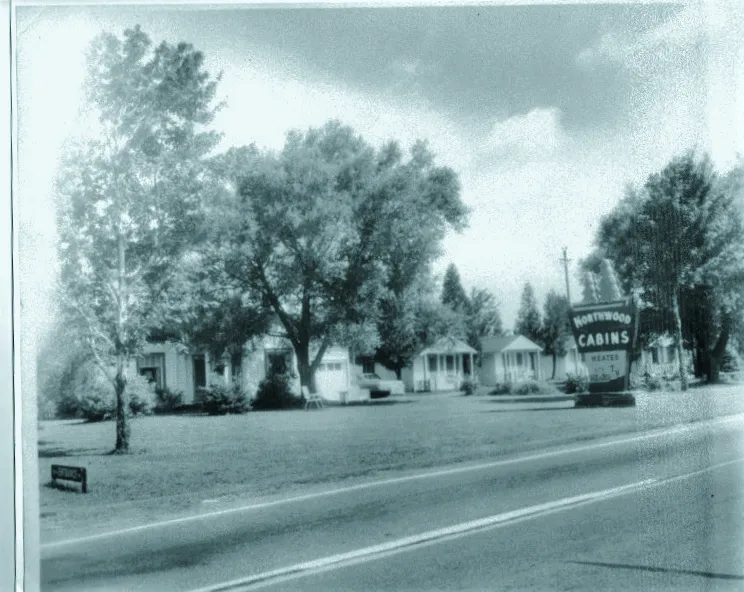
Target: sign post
<point>605,334</point>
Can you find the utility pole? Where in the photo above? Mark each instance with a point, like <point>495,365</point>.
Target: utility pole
<point>565,260</point>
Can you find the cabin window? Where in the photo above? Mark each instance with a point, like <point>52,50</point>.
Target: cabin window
<point>520,359</point>
<point>450,361</point>
<point>654,356</point>
<point>432,363</point>
<point>152,368</point>
<point>368,366</point>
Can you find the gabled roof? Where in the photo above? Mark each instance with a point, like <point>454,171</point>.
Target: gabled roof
<point>448,345</point>
<point>496,345</point>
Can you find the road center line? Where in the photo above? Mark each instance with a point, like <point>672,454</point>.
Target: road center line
<point>657,433</point>
<point>382,550</point>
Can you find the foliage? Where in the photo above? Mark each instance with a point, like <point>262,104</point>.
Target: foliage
<point>275,392</point>
<point>556,329</point>
<point>469,387</point>
<point>483,318</point>
<point>167,400</point>
<point>453,294</point>
<point>92,398</point>
<point>528,318</point>
<point>576,383</point>
<point>329,227</point>
<point>678,239</point>
<point>590,288</point>
<point>502,388</point>
<point>220,399</point>
<point>525,387</point>
<point>131,195</point>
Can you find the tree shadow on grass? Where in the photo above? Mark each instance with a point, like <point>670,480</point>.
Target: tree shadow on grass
<point>64,452</point>
<point>528,399</point>
<point>530,409</point>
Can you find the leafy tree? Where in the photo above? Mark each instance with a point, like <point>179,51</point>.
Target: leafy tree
<point>528,318</point>
<point>327,228</point>
<point>590,293</point>
<point>453,294</point>
<point>483,318</point>
<point>556,328</point>
<point>130,196</point>
<point>679,240</point>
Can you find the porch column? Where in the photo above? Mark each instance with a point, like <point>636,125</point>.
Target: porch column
<point>538,364</point>
<point>440,361</point>
<point>426,363</point>
<point>227,372</point>
<point>472,367</point>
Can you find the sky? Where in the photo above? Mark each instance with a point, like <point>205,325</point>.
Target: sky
<point>546,112</point>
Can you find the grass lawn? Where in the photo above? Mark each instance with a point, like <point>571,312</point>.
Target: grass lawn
<point>184,463</point>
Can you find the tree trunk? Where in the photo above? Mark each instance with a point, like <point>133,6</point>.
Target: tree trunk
<point>122,421</point>
<point>679,342</point>
<point>304,367</point>
<point>120,381</point>
<point>555,361</point>
<point>716,355</point>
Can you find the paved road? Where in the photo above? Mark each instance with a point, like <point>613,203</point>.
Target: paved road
<point>660,512</point>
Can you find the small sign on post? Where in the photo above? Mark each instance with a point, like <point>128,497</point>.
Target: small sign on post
<point>77,474</point>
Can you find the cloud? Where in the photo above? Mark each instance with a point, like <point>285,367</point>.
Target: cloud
<point>265,101</point>
<point>531,135</point>
<point>659,47</point>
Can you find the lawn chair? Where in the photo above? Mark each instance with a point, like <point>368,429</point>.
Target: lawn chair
<point>312,399</point>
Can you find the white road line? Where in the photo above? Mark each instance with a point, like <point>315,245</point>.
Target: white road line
<point>375,551</point>
<point>380,551</point>
<point>395,480</point>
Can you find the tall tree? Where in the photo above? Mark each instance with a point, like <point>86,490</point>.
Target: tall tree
<point>528,318</point>
<point>679,240</point>
<point>325,229</point>
<point>130,195</point>
<point>453,294</point>
<point>556,328</point>
<point>483,318</point>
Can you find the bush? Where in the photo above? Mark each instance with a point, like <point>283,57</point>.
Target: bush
<point>501,388</point>
<point>275,392</point>
<point>469,387</point>
<point>576,383</point>
<point>167,400</point>
<point>93,397</point>
<point>221,400</point>
<point>731,362</point>
<point>525,387</point>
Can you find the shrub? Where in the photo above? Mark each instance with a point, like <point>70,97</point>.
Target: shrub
<point>221,400</point>
<point>501,388</point>
<point>167,400</point>
<point>731,362</point>
<point>469,387</point>
<point>275,392</point>
<point>525,387</point>
<point>576,383</point>
<point>652,382</point>
<point>93,398</point>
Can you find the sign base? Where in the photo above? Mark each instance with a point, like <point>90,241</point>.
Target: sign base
<point>617,399</point>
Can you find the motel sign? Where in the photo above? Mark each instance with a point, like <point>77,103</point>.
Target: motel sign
<point>605,333</point>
